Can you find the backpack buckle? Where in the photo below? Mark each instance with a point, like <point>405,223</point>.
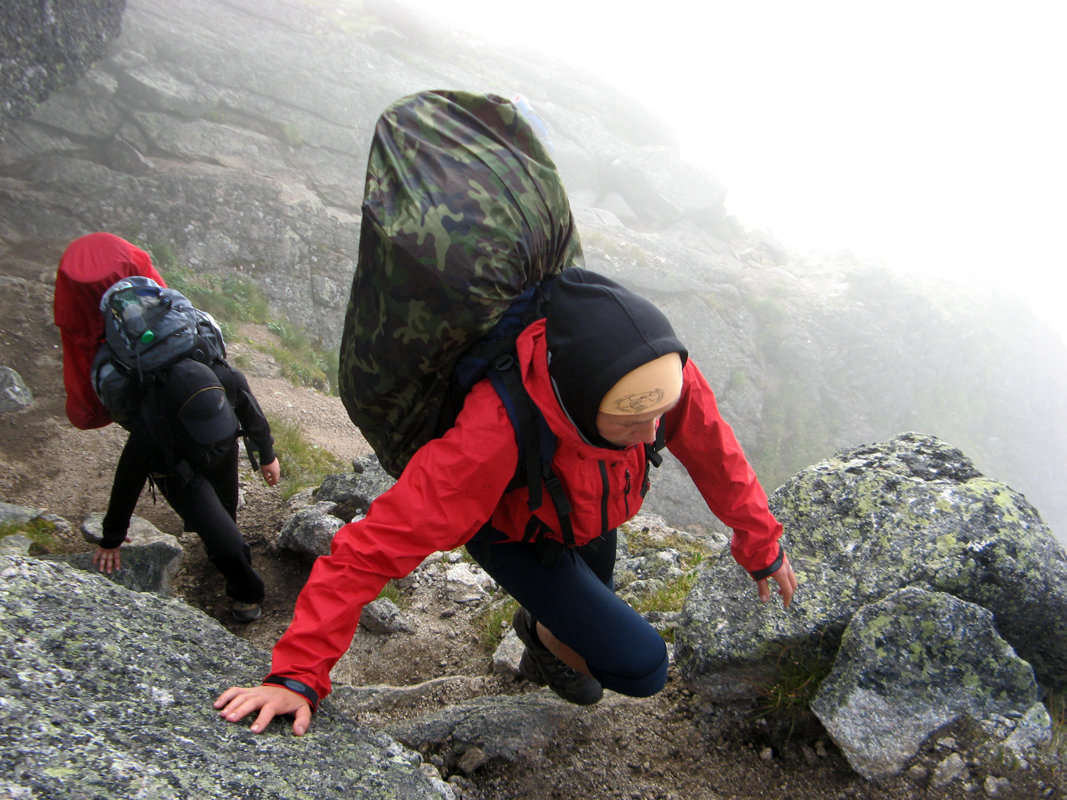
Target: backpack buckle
<point>503,362</point>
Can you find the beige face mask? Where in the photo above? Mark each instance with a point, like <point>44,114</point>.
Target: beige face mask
<point>650,387</point>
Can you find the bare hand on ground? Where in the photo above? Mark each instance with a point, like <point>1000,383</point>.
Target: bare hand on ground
<point>107,559</point>
<point>238,702</point>
<point>786,580</point>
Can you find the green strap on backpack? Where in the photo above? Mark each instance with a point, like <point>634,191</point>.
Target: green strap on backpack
<point>463,211</point>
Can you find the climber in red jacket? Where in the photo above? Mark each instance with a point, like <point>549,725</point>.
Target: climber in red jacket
<point>606,371</point>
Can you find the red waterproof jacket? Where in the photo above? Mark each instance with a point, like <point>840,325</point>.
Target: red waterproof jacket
<point>89,267</point>
<point>455,484</point>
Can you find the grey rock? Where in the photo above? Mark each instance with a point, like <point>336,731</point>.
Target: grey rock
<point>467,583</point>
<point>948,770</point>
<point>110,692</point>
<point>909,666</point>
<point>15,395</point>
<point>49,46</point>
<point>149,567</point>
<point>382,616</point>
<point>352,493</point>
<point>338,500</point>
<point>506,728</point>
<point>15,544</point>
<point>310,530</point>
<point>140,533</point>
<point>508,653</point>
<point>150,558</point>
<point>912,511</point>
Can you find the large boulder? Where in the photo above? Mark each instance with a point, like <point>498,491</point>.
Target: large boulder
<point>106,692</point>
<point>911,511</point>
<point>914,664</point>
<point>47,46</point>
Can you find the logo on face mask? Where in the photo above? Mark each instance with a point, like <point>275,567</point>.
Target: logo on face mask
<point>638,403</point>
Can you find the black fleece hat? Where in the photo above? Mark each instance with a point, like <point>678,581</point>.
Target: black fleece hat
<point>597,332</point>
<point>195,395</point>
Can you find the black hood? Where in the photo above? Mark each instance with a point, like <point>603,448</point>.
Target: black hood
<point>597,331</point>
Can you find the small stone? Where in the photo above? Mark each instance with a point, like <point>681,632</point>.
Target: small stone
<point>948,770</point>
<point>994,785</point>
<point>473,760</point>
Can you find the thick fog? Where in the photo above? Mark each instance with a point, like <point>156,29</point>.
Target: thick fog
<point>928,137</point>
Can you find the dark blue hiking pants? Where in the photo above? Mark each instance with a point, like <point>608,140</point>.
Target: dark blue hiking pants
<point>575,599</point>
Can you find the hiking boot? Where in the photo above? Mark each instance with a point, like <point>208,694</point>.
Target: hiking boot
<point>539,665</point>
<point>245,612</point>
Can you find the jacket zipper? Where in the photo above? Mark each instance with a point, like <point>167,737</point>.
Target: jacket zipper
<point>605,496</point>
<point>626,493</point>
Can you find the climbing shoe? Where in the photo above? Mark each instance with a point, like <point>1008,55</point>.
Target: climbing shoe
<point>245,612</point>
<point>539,665</point>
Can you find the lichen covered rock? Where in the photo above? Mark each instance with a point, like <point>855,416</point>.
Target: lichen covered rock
<point>912,664</point>
<point>912,511</point>
<point>106,692</point>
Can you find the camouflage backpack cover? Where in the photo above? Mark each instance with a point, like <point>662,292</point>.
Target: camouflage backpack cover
<point>463,212</point>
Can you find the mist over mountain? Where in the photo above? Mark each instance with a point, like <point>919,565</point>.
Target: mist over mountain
<point>232,134</point>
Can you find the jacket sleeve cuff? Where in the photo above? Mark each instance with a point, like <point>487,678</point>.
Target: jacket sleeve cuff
<point>109,541</point>
<point>774,566</point>
<point>295,686</point>
<point>267,454</point>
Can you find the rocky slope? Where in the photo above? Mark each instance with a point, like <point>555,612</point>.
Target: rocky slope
<point>446,698</point>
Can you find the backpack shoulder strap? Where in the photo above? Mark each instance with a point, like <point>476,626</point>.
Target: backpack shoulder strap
<point>652,450</point>
<point>537,443</point>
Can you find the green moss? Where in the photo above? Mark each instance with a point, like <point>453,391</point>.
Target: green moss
<point>39,531</point>
<point>291,135</point>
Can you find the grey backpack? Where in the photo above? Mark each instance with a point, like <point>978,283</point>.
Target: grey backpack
<point>147,328</point>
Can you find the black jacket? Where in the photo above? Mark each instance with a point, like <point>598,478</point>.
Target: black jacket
<point>145,455</point>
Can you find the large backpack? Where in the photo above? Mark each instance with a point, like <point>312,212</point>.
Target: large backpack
<point>147,328</point>
<point>90,264</point>
<point>464,219</point>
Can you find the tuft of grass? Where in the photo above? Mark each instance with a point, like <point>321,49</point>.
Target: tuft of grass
<point>672,596</point>
<point>303,464</point>
<point>229,298</point>
<point>392,592</point>
<point>669,598</point>
<point>1057,709</point>
<point>39,531</point>
<point>799,673</point>
<point>300,361</point>
<point>494,622</point>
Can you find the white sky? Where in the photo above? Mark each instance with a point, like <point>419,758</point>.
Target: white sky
<point>930,136</point>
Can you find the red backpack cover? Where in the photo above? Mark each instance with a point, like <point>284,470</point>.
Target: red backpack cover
<point>89,267</point>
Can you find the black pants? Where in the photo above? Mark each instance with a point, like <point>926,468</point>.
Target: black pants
<point>208,506</point>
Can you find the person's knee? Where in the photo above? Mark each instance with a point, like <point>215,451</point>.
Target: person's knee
<point>225,545</point>
<point>644,674</point>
